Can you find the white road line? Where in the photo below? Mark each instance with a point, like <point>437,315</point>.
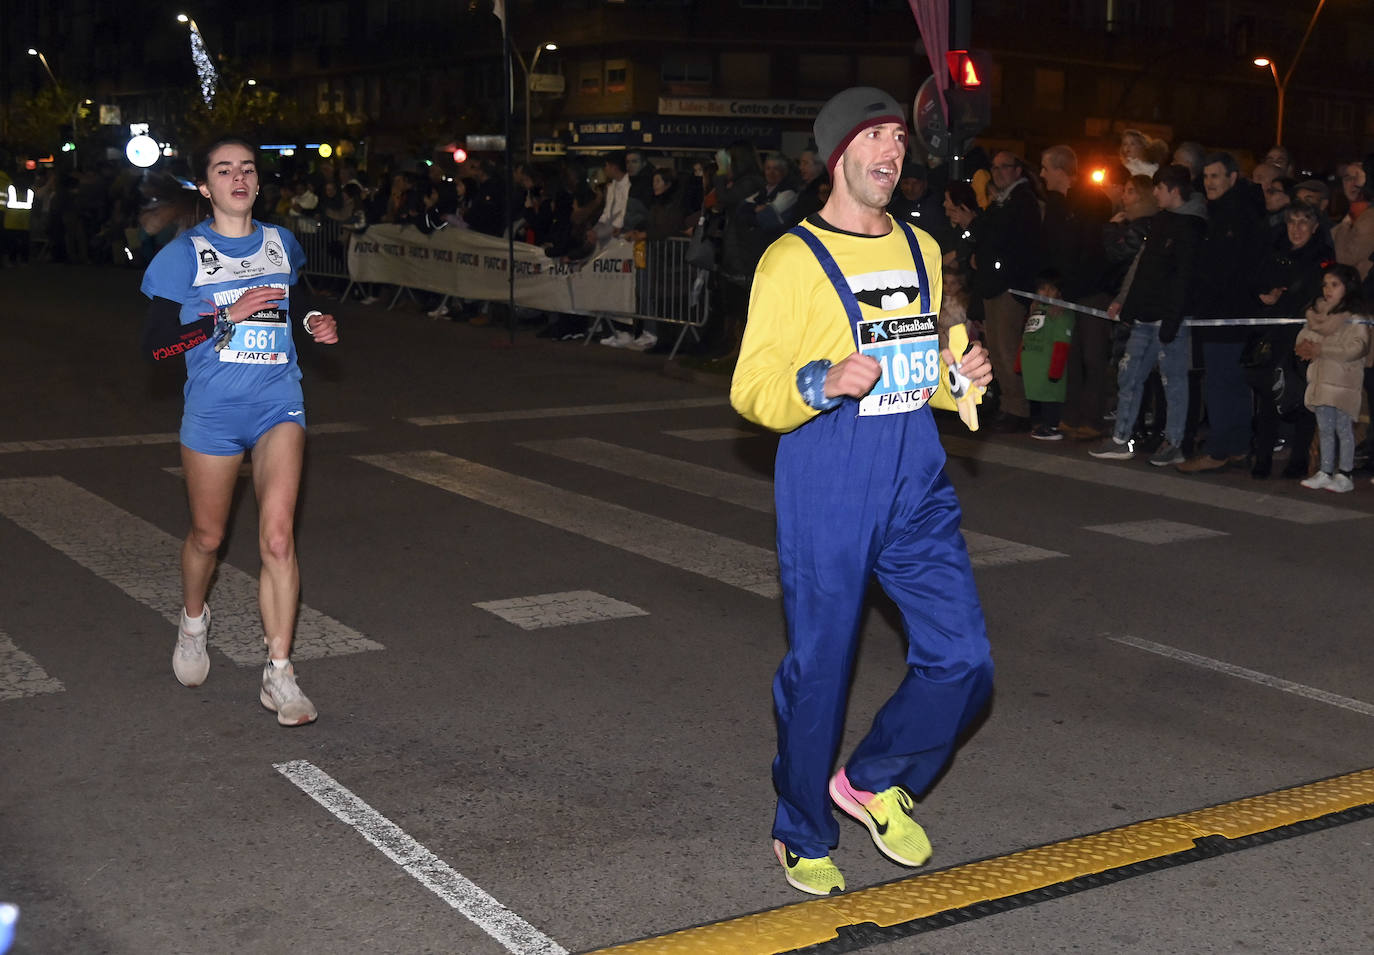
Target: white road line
<point>478,417</point>
<point>141,560</point>
<point>732,562</point>
<point>1150,481</point>
<point>136,440</point>
<point>984,550</point>
<point>539,611</point>
<point>83,444</point>
<point>742,490</point>
<point>754,493</point>
<point>20,674</point>
<point>514,933</point>
<point>1156,531</point>
<point>714,434</point>
<point>1254,676</point>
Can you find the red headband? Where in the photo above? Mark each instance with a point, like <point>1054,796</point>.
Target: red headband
<point>849,138</point>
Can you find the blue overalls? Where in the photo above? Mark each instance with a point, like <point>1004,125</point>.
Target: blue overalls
<point>858,497</point>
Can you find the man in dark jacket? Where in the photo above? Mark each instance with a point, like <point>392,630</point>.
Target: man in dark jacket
<point>1008,242</point>
<point>1074,217</point>
<point>1155,297</point>
<point>1224,288</point>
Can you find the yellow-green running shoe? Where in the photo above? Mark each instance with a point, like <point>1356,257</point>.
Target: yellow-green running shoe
<point>816,876</point>
<point>888,817</point>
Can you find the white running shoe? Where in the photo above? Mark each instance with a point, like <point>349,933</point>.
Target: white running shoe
<point>618,340</point>
<point>1317,482</point>
<point>643,342</point>
<point>440,312</point>
<point>190,662</point>
<point>1341,483</point>
<point>282,696</point>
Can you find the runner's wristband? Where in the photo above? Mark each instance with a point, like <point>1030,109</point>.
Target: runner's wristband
<point>305,322</point>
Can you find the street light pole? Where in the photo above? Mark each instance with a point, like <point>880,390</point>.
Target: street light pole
<point>1261,62</point>
<point>1282,85</point>
<point>529,71</point>
<point>76,108</point>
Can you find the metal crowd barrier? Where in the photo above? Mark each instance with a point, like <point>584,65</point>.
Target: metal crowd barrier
<point>668,290</point>
<point>325,244</point>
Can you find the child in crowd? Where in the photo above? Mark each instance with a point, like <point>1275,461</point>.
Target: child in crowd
<point>1336,347</point>
<point>954,304</point>
<point>1045,356</point>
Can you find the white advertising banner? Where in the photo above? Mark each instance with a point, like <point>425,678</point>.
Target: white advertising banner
<point>468,264</point>
<point>746,108</point>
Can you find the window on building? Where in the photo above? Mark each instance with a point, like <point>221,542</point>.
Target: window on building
<point>780,4</point>
<point>821,75</point>
<point>746,74</point>
<point>885,72</point>
<point>1342,117</point>
<point>1109,90</point>
<point>589,79</point>
<point>686,74</point>
<point>1049,90</point>
<point>1317,114</point>
<point>617,76</point>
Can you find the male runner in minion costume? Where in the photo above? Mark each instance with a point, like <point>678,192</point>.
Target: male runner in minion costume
<point>842,355</point>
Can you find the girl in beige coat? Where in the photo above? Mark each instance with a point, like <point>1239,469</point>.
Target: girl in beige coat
<point>1336,346</point>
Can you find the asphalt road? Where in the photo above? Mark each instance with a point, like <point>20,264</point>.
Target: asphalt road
<point>566,773</point>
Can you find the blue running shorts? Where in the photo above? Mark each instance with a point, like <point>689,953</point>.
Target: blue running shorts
<point>234,429</point>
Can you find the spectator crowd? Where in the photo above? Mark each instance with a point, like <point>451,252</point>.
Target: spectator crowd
<point>1171,305</point>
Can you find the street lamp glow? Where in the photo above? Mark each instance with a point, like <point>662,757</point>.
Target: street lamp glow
<point>183,18</point>
<point>1261,61</point>
<point>529,71</point>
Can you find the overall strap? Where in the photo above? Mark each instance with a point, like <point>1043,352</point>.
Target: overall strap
<point>920,265</point>
<point>837,279</point>
<point>832,272</point>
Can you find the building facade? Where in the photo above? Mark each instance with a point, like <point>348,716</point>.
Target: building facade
<point>678,76</point>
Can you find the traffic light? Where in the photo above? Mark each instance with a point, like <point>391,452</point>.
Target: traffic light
<point>970,92</point>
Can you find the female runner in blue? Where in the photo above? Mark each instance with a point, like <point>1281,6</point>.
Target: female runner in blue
<point>221,297</point>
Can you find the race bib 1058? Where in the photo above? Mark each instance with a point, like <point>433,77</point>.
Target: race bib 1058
<point>908,349</point>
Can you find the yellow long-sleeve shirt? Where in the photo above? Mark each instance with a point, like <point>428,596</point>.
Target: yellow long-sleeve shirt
<point>796,317</point>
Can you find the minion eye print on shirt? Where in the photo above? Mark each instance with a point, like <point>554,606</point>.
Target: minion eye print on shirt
<point>890,290</point>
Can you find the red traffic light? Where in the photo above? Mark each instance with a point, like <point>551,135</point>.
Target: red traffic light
<point>460,155</point>
<point>962,70</point>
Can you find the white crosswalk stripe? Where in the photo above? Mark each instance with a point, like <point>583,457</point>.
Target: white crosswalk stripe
<point>572,411</point>
<point>140,559</point>
<point>20,674</point>
<point>750,492</point>
<point>1149,481</point>
<point>139,440</point>
<point>729,561</point>
<point>1156,531</point>
<point>714,434</point>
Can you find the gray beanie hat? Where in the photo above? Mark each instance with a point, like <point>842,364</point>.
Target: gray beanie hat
<point>845,114</point>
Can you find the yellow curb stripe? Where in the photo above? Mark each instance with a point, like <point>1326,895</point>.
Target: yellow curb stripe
<point>814,922</point>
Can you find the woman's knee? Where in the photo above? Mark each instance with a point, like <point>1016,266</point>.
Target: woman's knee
<point>277,542</point>
<point>205,540</point>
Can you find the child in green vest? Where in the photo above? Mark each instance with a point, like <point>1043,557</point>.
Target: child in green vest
<point>1045,357</point>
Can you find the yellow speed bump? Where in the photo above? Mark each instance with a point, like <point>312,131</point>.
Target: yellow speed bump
<point>894,903</point>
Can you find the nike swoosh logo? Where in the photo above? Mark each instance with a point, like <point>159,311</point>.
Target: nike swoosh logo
<point>792,859</point>
<point>880,826</point>
<point>295,413</point>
